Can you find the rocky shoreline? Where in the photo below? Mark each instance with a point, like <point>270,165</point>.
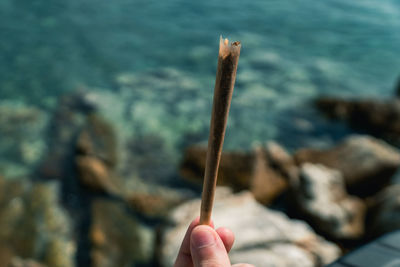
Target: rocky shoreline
<point>87,196</point>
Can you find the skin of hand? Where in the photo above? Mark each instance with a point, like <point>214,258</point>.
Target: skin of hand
<point>203,246</point>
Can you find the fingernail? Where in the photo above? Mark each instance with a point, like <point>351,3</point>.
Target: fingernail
<point>202,237</point>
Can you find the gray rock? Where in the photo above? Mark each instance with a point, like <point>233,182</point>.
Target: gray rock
<point>367,163</point>
<point>281,159</point>
<point>320,195</point>
<point>263,237</point>
<point>384,211</point>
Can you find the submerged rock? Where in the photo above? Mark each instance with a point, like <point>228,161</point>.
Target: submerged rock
<point>256,171</point>
<point>378,117</point>
<point>18,262</point>
<point>64,127</point>
<point>263,237</point>
<point>117,238</point>
<point>22,143</point>
<point>149,157</point>
<point>367,164</point>
<point>384,211</point>
<point>320,195</point>
<point>33,224</point>
<point>81,145</point>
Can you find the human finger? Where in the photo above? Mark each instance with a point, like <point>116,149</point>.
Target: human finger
<point>207,248</point>
<point>227,237</point>
<point>184,259</point>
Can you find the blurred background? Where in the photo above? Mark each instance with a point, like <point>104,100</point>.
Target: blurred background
<point>104,117</point>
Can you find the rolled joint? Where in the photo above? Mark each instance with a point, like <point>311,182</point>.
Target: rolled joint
<point>225,49</point>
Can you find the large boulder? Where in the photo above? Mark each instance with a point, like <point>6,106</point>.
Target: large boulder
<point>320,195</point>
<point>263,237</point>
<point>384,211</point>
<point>261,171</point>
<point>117,238</point>
<point>33,224</point>
<point>378,117</point>
<point>367,164</point>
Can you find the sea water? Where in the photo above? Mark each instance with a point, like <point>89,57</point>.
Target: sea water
<point>154,62</point>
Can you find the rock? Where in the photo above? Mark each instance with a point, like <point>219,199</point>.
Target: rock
<point>94,174</point>
<point>263,237</point>
<point>21,149</point>
<point>383,212</point>
<point>117,238</point>
<point>150,158</point>
<point>235,168</point>
<point>397,87</point>
<point>153,205</point>
<point>320,195</point>
<point>153,201</point>
<point>396,178</point>
<point>33,221</point>
<point>380,118</point>
<point>18,262</point>
<point>98,139</point>
<point>281,160</point>
<point>266,183</point>
<point>252,171</point>
<point>74,127</point>
<point>367,164</point>
<point>97,157</point>
<point>64,127</point>
<point>6,255</point>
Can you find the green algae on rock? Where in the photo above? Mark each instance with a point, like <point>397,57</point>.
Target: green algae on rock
<point>117,238</point>
<point>34,224</point>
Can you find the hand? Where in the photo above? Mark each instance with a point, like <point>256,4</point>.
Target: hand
<point>203,246</point>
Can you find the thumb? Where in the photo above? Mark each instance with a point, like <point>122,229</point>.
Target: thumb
<point>207,248</point>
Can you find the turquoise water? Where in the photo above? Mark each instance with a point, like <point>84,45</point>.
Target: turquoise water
<point>155,61</point>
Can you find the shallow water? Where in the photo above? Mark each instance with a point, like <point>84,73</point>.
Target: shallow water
<point>156,61</point>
